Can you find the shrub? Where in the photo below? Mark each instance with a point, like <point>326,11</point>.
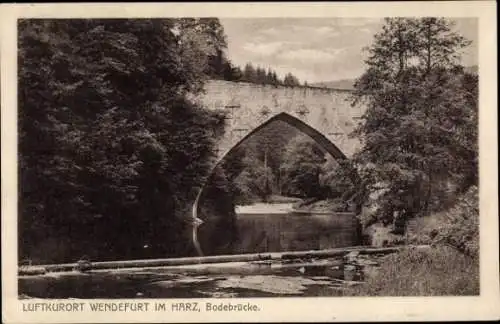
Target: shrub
<point>440,271</point>
<point>457,226</point>
<point>461,224</point>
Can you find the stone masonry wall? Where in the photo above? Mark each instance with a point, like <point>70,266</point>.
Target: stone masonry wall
<point>327,110</point>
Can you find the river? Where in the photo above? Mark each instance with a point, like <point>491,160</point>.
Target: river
<point>262,228</point>
<point>277,227</point>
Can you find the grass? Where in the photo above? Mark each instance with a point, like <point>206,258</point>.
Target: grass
<point>449,268</point>
<point>438,271</point>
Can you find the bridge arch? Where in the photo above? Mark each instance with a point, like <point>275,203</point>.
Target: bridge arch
<point>323,142</point>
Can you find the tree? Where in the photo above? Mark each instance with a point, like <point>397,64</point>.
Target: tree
<point>275,79</point>
<point>250,180</point>
<point>302,167</point>
<point>249,73</point>
<point>208,37</point>
<point>290,80</point>
<point>269,77</point>
<point>260,75</point>
<point>108,142</point>
<point>419,128</point>
<point>339,178</point>
<point>258,158</point>
<point>435,39</point>
<point>271,139</point>
<point>236,74</point>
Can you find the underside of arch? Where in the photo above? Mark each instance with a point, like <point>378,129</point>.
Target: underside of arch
<point>323,142</point>
<point>317,136</point>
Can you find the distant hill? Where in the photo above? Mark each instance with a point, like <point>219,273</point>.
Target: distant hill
<point>349,83</point>
<point>337,84</point>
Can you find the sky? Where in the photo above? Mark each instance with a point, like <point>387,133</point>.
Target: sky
<point>315,49</point>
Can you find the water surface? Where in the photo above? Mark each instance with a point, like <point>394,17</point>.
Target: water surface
<point>317,278</point>
<point>278,232</point>
<point>261,228</point>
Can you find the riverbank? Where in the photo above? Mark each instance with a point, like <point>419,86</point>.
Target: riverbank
<point>449,268</point>
<point>274,205</point>
<point>265,208</point>
<point>438,271</point>
<point>281,204</point>
<point>320,206</point>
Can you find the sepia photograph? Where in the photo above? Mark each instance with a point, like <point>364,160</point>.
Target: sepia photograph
<point>220,157</point>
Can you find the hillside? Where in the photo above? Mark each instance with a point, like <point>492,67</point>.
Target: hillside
<point>348,84</point>
<point>337,84</point>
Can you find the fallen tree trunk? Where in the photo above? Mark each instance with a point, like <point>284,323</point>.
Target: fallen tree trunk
<point>27,270</point>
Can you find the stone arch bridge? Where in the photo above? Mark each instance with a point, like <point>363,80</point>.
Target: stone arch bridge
<point>326,115</point>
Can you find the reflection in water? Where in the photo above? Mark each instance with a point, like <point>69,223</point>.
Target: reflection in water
<point>294,232</point>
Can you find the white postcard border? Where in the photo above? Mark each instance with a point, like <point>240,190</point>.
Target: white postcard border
<point>271,309</point>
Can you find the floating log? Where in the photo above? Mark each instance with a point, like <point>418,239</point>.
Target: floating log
<point>210,259</point>
<point>31,270</point>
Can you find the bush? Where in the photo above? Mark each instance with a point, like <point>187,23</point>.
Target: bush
<point>440,271</point>
<point>461,226</point>
<point>458,226</point>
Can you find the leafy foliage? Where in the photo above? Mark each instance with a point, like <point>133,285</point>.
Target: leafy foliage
<point>205,42</point>
<point>302,168</point>
<point>420,129</point>
<point>110,149</point>
<point>254,167</point>
<point>280,160</point>
<point>461,226</point>
<point>341,180</point>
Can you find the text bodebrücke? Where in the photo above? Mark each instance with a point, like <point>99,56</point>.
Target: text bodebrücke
<point>139,307</point>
